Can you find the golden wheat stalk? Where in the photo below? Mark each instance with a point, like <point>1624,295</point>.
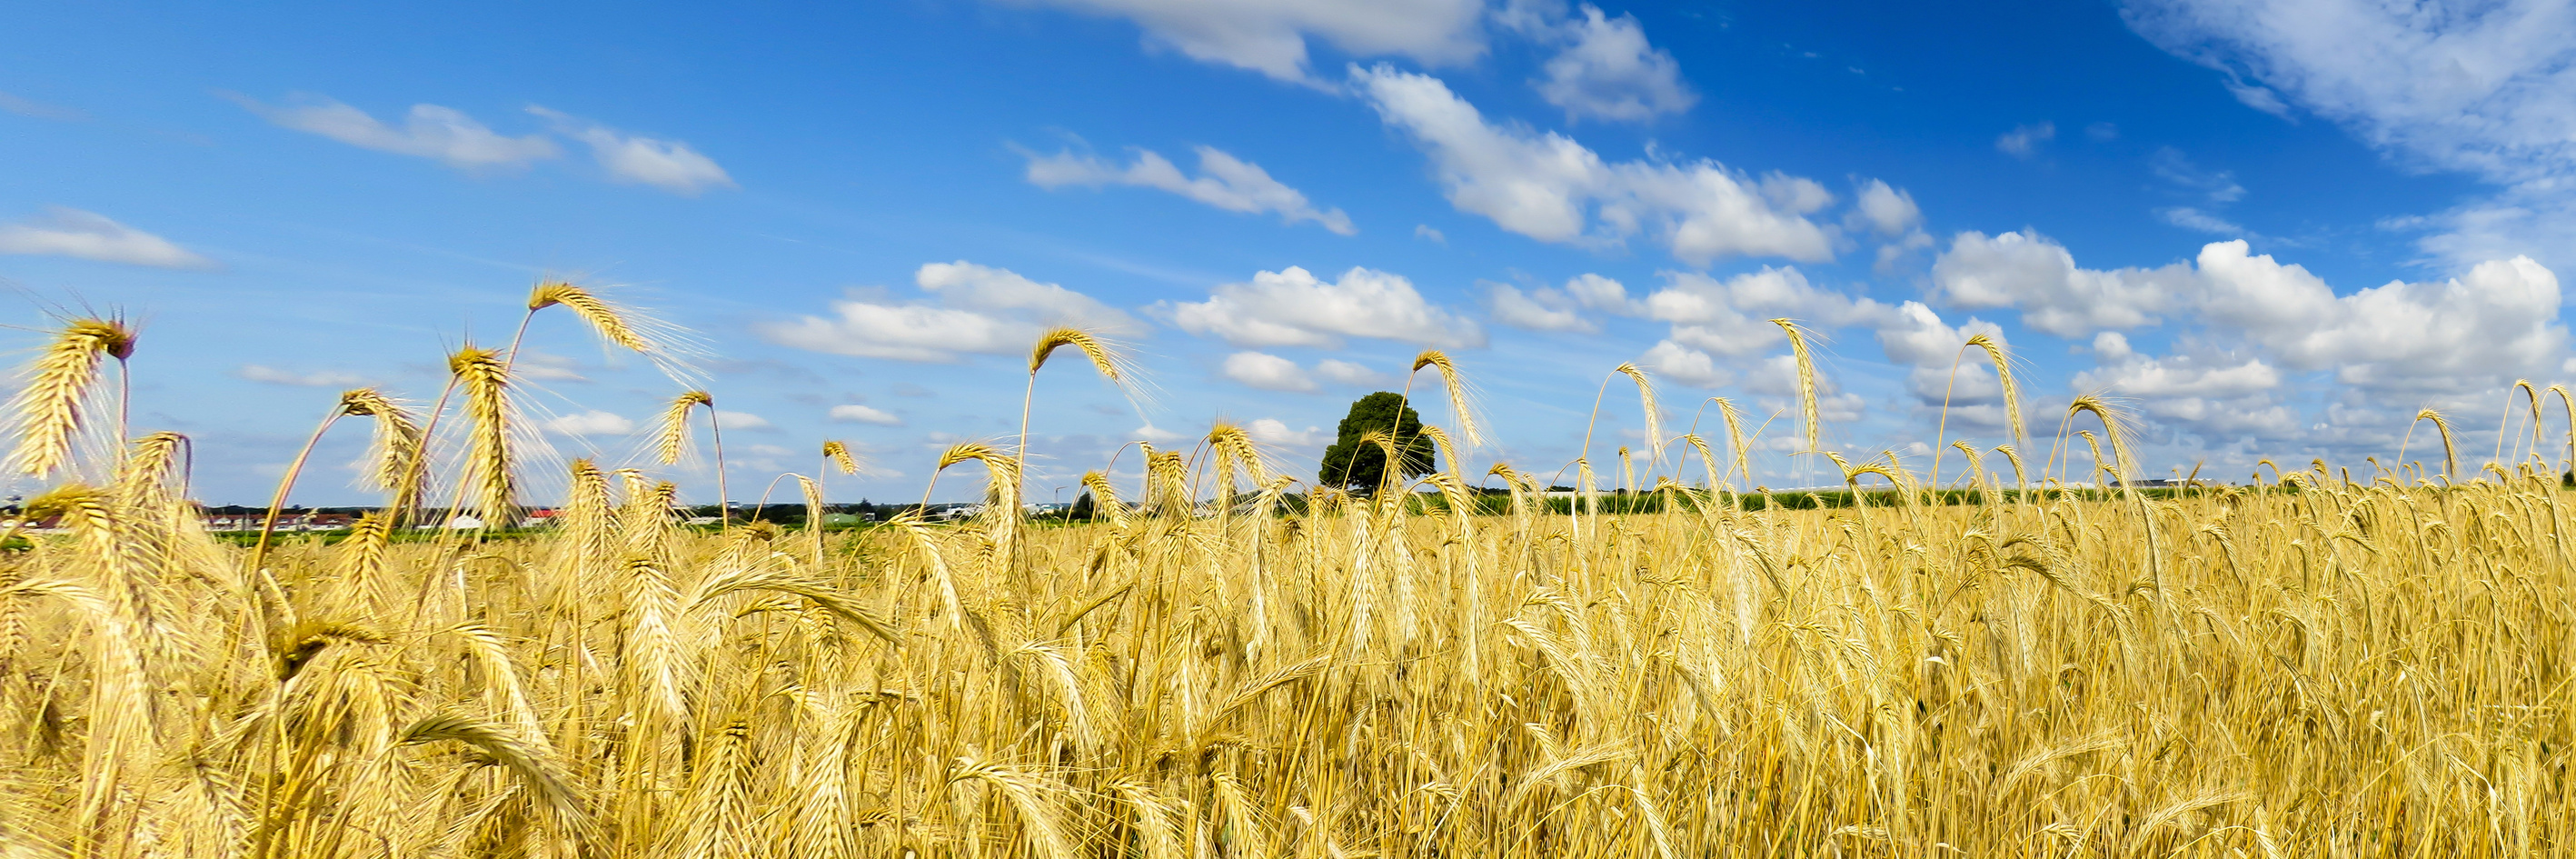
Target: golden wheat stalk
<point>838,454</point>
<point>673,441</point>
<point>2450,454</point>
<point>1806,379</point>
<point>1031,798</point>
<point>671,348</point>
<point>54,389</point>
<point>1107,358</point>
<point>2003,377</point>
<point>2520,386</point>
<point>490,488</point>
<point>1234,449</point>
<point>393,451</point>
<point>391,457</point>
<point>1001,492</point>
<point>1105,497</point>
<point>1653,413</point>
<point>2567,405</point>
<point>1462,410</point>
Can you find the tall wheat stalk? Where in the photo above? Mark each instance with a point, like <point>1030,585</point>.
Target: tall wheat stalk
<point>673,442</point>
<point>2002,362</point>
<point>1106,358</point>
<point>1806,380</point>
<point>1462,410</point>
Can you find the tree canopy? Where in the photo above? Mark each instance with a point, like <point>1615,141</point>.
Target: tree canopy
<point>1361,466</point>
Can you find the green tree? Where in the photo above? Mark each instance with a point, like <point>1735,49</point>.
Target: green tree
<point>1361,466</point>
<point>1083,508</point>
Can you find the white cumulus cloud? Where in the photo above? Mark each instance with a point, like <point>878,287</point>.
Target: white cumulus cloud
<point>1292,307</point>
<point>1888,209</point>
<point>2024,140</point>
<point>976,309</point>
<point>429,131</point>
<point>1267,372</point>
<point>1732,316</point>
<point>1685,365</point>
<point>2039,277</point>
<point>666,164</point>
<point>88,235</point>
<point>1224,181</point>
<point>1547,186</point>
<point>1540,309</point>
<point>741,421</point>
<point>590,423</point>
<point>1276,433</point>
<point>1606,69</point>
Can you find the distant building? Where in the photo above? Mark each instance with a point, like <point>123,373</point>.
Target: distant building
<point>286,522</point>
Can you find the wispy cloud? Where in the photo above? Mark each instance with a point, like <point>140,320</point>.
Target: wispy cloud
<point>24,106</point>
<point>429,131</point>
<point>313,379</point>
<point>88,235</point>
<point>2024,140</point>
<point>1224,181</point>
<point>666,164</point>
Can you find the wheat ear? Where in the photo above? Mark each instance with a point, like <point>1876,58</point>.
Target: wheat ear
<point>671,348</point>
<point>53,388</point>
<point>1806,378</point>
<point>484,378</point>
<point>393,450</point>
<point>1106,357</point>
<point>1462,408</point>
<point>1653,411</point>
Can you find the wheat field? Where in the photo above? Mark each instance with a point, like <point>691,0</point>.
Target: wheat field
<point>2315,666</point>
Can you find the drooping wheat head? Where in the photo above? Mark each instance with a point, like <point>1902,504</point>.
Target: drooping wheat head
<point>1707,461</point>
<point>1462,409</point>
<point>2450,454</point>
<point>54,389</point>
<point>1104,498</point>
<point>2124,463</point>
<point>2533,394</point>
<point>671,348</point>
<point>393,451</point>
<point>839,455</point>
<point>1235,449</point>
<point>1806,378</point>
<point>1106,356</point>
<point>672,441</point>
<point>1653,412</point>
<point>1001,490</point>
<point>2002,360</point>
<point>1735,437</point>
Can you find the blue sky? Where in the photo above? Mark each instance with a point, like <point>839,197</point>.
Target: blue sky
<point>865,212</point>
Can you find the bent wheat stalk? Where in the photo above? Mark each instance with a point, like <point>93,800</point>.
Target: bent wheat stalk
<point>674,441</point>
<point>47,409</point>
